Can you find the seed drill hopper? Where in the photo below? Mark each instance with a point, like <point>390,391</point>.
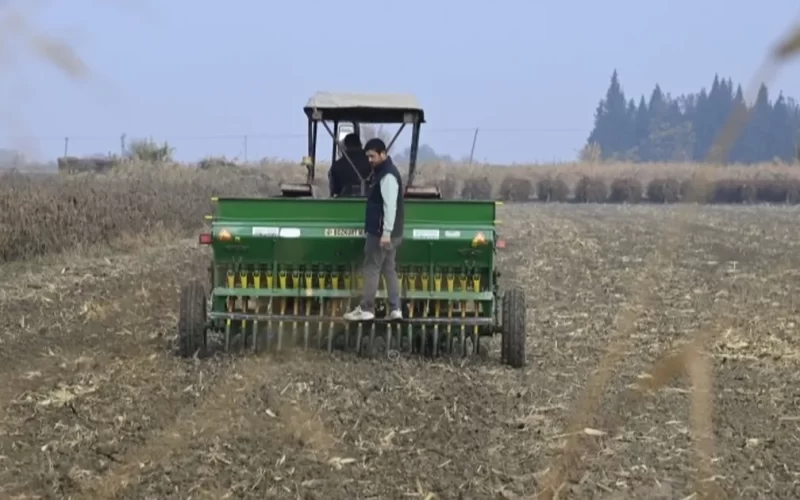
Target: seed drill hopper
<point>285,269</point>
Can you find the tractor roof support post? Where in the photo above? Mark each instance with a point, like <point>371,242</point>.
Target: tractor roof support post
<point>396,135</point>
<point>312,150</point>
<point>316,137</point>
<point>412,157</point>
<point>334,141</point>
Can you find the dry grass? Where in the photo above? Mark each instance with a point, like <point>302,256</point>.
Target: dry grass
<point>41,214</point>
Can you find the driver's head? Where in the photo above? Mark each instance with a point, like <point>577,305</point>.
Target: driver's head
<point>376,151</point>
<point>352,142</point>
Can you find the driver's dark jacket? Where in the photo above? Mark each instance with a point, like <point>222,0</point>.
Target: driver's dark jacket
<point>343,179</point>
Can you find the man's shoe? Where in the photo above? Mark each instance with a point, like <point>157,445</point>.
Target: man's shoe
<point>359,314</point>
<point>395,315</point>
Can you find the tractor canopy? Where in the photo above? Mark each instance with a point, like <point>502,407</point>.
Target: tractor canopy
<point>364,108</point>
<point>347,111</point>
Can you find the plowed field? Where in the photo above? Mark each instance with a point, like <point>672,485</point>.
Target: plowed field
<point>95,404</point>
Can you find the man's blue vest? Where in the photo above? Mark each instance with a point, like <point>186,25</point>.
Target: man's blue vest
<point>373,221</point>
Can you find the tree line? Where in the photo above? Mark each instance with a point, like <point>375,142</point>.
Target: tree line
<point>683,128</point>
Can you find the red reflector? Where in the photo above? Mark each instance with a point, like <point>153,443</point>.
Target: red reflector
<point>501,243</point>
<point>205,239</point>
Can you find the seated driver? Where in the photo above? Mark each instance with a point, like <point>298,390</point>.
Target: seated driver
<point>345,180</point>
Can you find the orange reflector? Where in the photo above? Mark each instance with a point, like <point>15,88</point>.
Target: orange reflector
<point>224,235</point>
<point>501,243</point>
<point>479,239</point>
<point>205,239</point>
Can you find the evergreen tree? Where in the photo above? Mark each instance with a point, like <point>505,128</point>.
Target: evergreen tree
<point>739,148</point>
<point>650,149</point>
<point>716,108</point>
<point>703,127</point>
<point>641,125</point>
<point>657,105</point>
<point>631,141</point>
<point>664,128</point>
<point>781,134</point>
<point>611,129</point>
<point>757,130</point>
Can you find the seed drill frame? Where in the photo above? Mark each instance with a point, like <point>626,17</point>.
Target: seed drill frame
<point>285,269</point>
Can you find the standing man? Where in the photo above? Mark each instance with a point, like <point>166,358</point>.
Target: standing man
<point>347,172</point>
<point>383,228</point>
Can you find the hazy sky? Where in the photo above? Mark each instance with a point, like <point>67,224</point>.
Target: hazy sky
<point>204,74</point>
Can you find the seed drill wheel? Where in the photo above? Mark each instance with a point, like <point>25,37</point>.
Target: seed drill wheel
<point>514,328</point>
<point>192,320</point>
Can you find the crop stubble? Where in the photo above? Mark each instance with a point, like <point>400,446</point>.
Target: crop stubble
<point>95,406</point>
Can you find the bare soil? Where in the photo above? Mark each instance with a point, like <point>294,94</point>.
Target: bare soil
<point>95,404</point>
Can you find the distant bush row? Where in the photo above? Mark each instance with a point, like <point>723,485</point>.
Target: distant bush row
<point>592,189</point>
<point>46,213</point>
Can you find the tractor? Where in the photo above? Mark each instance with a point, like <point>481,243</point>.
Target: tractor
<point>284,269</point>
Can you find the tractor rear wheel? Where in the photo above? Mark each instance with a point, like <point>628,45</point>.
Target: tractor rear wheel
<point>514,328</point>
<point>192,336</point>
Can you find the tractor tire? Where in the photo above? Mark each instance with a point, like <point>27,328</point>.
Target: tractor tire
<point>192,338</point>
<point>514,328</point>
